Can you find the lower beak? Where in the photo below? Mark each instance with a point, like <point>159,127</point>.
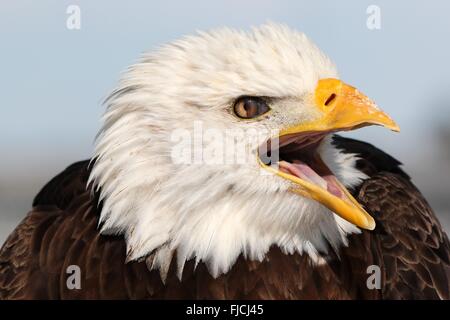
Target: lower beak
<point>342,108</point>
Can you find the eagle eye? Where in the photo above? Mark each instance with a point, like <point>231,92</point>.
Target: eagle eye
<point>250,107</point>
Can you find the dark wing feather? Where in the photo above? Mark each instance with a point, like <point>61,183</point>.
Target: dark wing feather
<point>414,250</point>
<point>372,160</point>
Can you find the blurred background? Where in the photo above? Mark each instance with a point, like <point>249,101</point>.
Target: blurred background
<point>53,79</point>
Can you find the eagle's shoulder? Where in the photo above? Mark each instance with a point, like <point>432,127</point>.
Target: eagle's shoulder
<point>414,249</point>
<point>371,160</point>
<point>64,187</point>
<point>59,230</point>
<point>26,259</point>
<point>410,245</point>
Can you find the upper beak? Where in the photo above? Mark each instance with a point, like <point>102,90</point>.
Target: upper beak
<point>341,107</point>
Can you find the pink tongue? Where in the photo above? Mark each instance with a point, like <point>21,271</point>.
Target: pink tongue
<point>333,187</point>
<point>303,171</point>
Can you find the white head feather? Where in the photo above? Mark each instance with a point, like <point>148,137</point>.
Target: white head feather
<point>213,212</point>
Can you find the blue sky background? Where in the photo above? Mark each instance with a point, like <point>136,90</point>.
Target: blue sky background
<point>52,80</point>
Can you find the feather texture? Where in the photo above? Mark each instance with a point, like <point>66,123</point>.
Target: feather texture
<point>61,230</point>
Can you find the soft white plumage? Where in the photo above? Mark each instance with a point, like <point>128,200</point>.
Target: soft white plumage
<point>211,212</point>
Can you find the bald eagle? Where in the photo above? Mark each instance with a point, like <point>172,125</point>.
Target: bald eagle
<point>290,211</point>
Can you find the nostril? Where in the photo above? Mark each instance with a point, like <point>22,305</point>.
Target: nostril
<point>330,99</point>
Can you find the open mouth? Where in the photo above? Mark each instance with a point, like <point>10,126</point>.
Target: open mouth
<point>301,158</point>
<point>296,158</point>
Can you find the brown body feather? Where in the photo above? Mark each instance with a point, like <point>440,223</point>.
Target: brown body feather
<point>408,245</point>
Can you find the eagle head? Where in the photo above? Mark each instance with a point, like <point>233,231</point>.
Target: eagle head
<point>218,145</point>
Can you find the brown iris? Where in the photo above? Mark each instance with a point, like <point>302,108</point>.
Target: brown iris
<point>250,107</point>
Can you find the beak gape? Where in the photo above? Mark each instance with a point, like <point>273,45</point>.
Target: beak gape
<point>296,157</point>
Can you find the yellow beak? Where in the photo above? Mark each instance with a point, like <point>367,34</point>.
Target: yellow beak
<point>342,107</point>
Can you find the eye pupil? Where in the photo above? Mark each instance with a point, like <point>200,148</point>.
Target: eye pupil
<point>250,107</point>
